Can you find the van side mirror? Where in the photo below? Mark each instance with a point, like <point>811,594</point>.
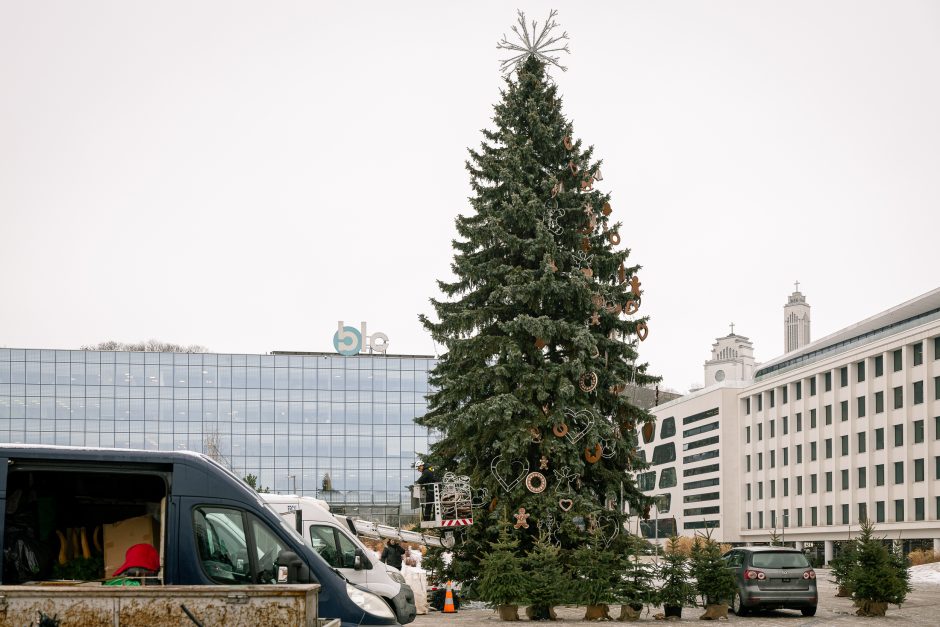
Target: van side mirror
<point>297,569</point>
<point>361,561</point>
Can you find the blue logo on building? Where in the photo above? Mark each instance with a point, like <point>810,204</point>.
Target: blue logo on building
<point>347,340</point>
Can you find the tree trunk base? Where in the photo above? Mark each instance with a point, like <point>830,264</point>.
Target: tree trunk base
<point>508,612</point>
<point>715,612</point>
<point>541,612</point>
<point>597,612</point>
<point>870,608</point>
<point>629,613</point>
<point>672,611</point>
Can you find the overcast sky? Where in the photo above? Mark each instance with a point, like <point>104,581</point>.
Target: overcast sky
<point>242,175</point>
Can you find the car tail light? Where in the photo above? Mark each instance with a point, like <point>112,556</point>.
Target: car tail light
<point>755,574</point>
<point>809,574</point>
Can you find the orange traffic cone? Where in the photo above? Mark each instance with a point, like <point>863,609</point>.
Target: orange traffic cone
<point>449,600</point>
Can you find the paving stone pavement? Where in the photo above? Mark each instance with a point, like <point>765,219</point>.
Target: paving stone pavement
<point>921,608</point>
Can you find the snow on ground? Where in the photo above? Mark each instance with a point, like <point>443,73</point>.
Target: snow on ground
<point>926,573</point>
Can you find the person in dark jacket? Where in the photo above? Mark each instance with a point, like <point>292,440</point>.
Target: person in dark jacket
<point>392,554</point>
<point>427,477</point>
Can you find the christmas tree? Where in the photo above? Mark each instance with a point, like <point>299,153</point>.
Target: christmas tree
<point>540,328</point>
<point>878,576</point>
<point>502,581</point>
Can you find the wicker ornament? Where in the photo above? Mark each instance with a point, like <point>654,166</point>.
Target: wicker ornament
<point>621,274</point>
<point>587,272</point>
<point>573,167</point>
<point>631,307</point>
<point>613,309</point>
<point>588,382</point>
<point>595,352</point>
<point>585,244</point>
<point>521,519</point>
<point>568,143</point>
<point>576,418</point>
<point>557,188</point>
<point>606,210</point>
<point>536,435</point>
<point>539,343</point>
<point>593,455</point>
<point>543,463</point>
<point>560,430</point>
<point>614,237</point>
<point>552,266</point>
<point>597,300</point>
<point>565,504</point>
<point>642,331</point>
<point>535,482</point>
<point>587,184</point>
<point>493,504</point>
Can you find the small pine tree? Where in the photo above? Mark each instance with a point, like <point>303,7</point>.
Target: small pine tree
<point>637,583</point>
<point>548,583</point>
<point>879,576</point>
<point>675,588</point>
<point>598,572</point>
<point>842,566</point>
<point>714,582</point>
<point>502,580</point>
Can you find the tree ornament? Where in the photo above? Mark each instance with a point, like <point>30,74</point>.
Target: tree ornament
<point>588,381</point>
<point>565,478</point>
<point>606,210</point>
<point>593,456</point>
<point>574,418</point>
<point>614,237</point>
<point>545,409</point>
<point>586,244</point>
<point>558,188</point>
<point>551,263</point>
<point>617,389</point>
<point>648,430</point>
<point>567,142</point>
<point>613,309</point>
<point>540,46</point>
<point>509,474</point>
<point>587,272</point>
<point>536,435</point>
<point>552,214</point>
<point>621,274</point>
<point>632,306</point>
<point>597,175</point>
<point>521,519</point>
<point>595,319</point>
<point>493,504</point>
<point>565,504</point>
<point>587,184</point>
<point>543,463</point>
<point>642,330</point>
<point>535,482</point>
<point>595,352</point>
<point>560,429</point>
<point>607,449</point>
<point>635,285</point>
<point>597,300</point>
<point>539,343</point>
<point>573,167</point>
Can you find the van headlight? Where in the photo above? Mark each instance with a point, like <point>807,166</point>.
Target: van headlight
<point>371,603</point>
<point>396,576</point>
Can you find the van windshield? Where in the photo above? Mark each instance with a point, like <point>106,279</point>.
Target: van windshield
<point>782,559</point>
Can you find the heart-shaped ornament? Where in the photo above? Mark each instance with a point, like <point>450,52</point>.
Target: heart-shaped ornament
<point>509,474</point>
<point>607,529</point>
<point>565,504</point>
<point>579,423</point>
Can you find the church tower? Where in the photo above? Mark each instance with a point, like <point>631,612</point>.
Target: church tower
<point>732,360</point>
<point>795,321</point>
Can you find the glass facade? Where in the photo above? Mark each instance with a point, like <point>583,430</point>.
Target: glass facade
<point>319,424</point>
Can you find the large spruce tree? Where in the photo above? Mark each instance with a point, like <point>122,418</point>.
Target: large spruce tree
<point>541,328</point>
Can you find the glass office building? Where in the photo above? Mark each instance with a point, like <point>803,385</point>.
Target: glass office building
<point>318,424</point>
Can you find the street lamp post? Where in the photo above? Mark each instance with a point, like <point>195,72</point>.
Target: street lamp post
<point>294,478</point>
<point>784,534</point>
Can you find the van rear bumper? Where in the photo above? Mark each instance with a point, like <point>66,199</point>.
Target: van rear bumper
<point>403,604</point>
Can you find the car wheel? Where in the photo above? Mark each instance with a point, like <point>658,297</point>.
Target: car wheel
<point>808,611</point>
<point>736,606</point>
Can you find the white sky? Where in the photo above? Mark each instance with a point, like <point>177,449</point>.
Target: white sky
<point>242,175</point>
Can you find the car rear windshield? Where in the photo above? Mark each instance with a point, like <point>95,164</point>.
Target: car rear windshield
<point>779,560</point>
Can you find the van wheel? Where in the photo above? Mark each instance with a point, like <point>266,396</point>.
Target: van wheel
<point>808,611</point>
<point>736,606</point>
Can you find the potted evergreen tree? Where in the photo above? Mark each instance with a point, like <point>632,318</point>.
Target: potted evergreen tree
<point>713,579</point>
<point>548,583</point>
<point>675,589</point>
<point>879,576</point>
<point>598,570</point>
<point>636,590</point>
<point>502,581</point>
<point>842,566</point>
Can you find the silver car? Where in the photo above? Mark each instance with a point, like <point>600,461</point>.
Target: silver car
<point>772,577</point>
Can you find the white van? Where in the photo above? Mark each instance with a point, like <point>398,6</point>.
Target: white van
<point>344,551</point>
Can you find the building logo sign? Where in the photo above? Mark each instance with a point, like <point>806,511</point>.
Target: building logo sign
<point>350,341</point>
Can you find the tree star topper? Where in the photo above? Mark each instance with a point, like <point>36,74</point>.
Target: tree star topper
<point>540,46</point>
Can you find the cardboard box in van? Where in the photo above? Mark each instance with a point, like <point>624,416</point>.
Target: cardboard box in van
<point>120,536</point>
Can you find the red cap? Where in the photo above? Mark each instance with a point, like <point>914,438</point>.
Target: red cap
<point>140,556</point>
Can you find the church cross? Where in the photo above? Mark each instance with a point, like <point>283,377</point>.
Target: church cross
<point>732,328</point>
<point>797,284</point>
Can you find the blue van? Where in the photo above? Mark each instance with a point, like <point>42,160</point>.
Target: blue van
<point>208,526</point>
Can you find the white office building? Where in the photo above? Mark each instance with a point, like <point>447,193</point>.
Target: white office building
<point>837,430</point>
